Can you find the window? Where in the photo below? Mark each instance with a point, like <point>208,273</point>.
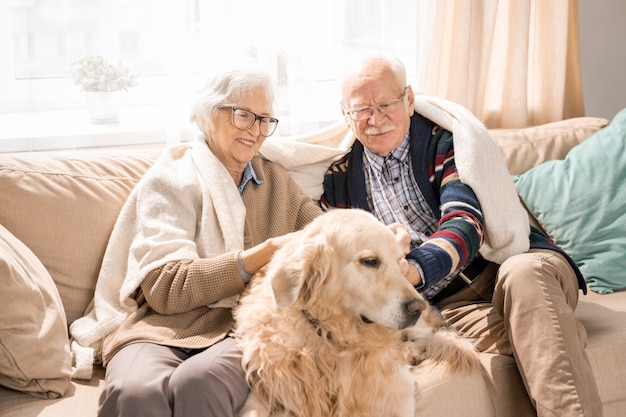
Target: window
<point>175,44</point>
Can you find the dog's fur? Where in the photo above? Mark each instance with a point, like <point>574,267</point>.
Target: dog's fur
<point>331,327</point>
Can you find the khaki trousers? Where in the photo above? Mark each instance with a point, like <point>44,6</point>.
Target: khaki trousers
<point>525,309</point>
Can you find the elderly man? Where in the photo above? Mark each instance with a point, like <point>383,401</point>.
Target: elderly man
<point>403,168</point>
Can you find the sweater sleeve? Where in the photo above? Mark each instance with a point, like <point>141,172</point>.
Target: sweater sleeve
<point>460,232</point>
<point>181,286</point>
<point>335,185</point>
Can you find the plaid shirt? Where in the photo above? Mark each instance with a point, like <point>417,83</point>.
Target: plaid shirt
<point>394,195</point>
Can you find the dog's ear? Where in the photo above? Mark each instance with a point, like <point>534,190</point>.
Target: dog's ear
<point>298,270</point>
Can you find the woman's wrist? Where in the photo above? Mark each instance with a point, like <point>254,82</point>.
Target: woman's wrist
<point>246,277</point>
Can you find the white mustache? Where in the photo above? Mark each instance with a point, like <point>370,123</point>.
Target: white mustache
<point>377,130</point>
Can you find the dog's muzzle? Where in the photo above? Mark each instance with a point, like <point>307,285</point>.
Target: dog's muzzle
<point>413,311</point>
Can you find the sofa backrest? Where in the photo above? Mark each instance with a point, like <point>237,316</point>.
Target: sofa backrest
<point>525,148</point>
<point>63,207</point>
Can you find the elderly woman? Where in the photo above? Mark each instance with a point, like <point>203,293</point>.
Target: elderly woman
<point>204,218</point>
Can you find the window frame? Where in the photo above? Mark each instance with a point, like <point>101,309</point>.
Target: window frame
<point>28,104</point>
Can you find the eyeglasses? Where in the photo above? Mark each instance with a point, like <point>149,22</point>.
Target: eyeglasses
<point>367,112</point>
<point>244,120</point>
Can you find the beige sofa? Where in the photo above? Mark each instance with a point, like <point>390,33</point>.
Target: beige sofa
<point>62,207</point>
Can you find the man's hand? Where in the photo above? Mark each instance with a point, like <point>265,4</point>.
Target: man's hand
<point>401,233</point>
<point>410,272</point>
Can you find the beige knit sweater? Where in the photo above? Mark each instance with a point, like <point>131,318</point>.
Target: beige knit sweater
<point>180,315</point>
<point>186,208</point>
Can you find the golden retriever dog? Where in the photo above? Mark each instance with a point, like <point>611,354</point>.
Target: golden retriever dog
<point>331,327</point>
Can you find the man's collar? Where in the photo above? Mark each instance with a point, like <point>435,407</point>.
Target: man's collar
<point>401,153</point>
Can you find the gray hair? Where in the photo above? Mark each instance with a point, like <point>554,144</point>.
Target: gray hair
<point>228,88</point>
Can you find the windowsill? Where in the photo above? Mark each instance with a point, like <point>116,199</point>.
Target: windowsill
<point>138,126</point>
<point>72,129</point>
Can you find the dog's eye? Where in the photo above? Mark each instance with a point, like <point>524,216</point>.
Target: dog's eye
<point>370,262</point>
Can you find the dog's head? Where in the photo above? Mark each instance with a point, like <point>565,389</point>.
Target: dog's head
<point>346,263</point>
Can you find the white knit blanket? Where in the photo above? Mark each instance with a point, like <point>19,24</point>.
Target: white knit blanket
<point>142,241</point>
<point>478,160</point>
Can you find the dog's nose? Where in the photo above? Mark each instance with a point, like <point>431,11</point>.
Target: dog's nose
<point>414,308</point>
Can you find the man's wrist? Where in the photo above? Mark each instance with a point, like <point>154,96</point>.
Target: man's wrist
<point>419,271</point>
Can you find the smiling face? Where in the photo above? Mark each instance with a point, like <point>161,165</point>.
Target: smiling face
<point>372,84</point>
<point>232,146</point>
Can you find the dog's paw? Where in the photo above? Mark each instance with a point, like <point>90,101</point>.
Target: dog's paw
<point>453,353</point>
<point>414,353</point>
<point>415,341</point>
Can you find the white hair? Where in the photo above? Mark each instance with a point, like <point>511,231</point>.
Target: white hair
<point>395,65</point>
<point>228,88</point>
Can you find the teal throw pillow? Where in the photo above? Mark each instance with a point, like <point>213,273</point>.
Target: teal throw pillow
<point>581,202</point>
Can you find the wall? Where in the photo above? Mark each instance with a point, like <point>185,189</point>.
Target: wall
<point>603,56</point>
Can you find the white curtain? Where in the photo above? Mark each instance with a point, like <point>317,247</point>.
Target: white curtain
<point>513,63</point>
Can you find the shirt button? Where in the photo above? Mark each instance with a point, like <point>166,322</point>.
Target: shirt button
<point>247,239</point>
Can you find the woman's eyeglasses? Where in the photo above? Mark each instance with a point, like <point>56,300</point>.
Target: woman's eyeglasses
<point>244,119</point>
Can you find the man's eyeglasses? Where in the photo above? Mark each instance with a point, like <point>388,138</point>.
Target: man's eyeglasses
<point>383,108</point>
<point>244,119</point>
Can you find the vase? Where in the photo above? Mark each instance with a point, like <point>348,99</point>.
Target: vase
<point>103,107</point>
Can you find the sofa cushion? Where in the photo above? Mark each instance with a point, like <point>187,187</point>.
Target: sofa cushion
<point>34,346</point>
<point>64,208</point>
<point>81,400</point>
<point>579,202</point>
<point>604,318</point>
<point>525,148</point>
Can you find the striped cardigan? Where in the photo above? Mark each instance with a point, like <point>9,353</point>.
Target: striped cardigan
<point>461,228</point>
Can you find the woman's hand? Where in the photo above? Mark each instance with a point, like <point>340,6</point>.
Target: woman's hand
<point>256,257</point>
